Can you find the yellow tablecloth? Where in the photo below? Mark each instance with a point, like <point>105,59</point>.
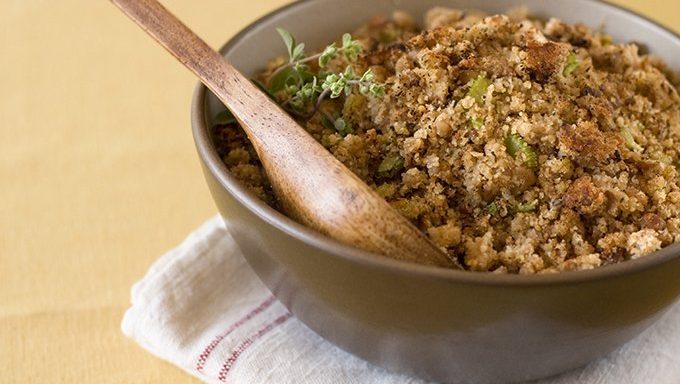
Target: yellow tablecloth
<point>98,177</point>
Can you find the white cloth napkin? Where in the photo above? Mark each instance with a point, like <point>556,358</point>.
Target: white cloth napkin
<point>201,308</point>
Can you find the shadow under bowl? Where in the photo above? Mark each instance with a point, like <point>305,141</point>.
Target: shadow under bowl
<point>437,324</point>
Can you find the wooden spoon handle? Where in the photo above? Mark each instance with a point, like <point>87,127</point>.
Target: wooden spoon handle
<point>312,185</point>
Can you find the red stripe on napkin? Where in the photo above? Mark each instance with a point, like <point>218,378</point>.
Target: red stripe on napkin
<point>229,363</point>
<point>203,357</point>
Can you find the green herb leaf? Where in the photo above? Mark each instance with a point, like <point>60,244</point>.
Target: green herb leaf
<point>516,145</point>
<point>297,104</point>
<point>346,40</point>
<point>367,76</point>
<point>288,40</point>
<point>377,90</point>
<point>298,52</point>
<point>350,47</point>
<point>476,122</point>
<point>349,73</point>
<point>571,65</point>
<point>479,87</point>
<point>492,208</point>
<point>328,54</point>
<point>327,122</point>
<point>305,95</point>
<point>305,88</point>
<point>335,83</point>
<point>525,207</point>
<point>391,163</point>
<point>303,73</point>
<point>343,127</point>
<point>291,89</point>
<point>281,79</point>
<point>224,118</point>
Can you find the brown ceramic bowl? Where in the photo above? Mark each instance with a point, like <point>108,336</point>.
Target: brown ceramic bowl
<point>438,324</point>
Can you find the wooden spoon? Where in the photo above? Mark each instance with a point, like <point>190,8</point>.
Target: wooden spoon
<point>313,186</point>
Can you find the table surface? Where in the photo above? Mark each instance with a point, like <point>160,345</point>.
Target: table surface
<point>94,137</point>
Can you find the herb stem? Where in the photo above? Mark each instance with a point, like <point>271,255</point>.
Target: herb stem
<point>321,97</point>
<point>294,63</point>
<point>358,82</point>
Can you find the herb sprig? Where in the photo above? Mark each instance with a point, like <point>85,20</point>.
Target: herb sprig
<point>300,89</point>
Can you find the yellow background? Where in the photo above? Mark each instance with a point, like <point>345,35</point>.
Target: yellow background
<point>98,177</point>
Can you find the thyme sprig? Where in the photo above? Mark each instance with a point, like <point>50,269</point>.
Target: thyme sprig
<point>301,90</point>
<point>296,52</point>
<point>300,87</point>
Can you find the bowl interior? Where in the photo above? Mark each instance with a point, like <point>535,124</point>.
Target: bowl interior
<point>252,48</point>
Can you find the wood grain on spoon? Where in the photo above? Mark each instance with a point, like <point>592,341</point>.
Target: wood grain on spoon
<point>312,185</point>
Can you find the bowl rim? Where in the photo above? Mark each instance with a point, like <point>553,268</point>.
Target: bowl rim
<point>218,169</point>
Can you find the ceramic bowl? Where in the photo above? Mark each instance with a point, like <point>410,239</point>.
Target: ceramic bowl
<point>437,324</point>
